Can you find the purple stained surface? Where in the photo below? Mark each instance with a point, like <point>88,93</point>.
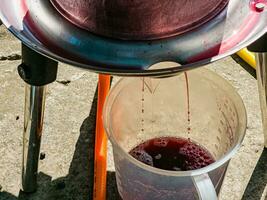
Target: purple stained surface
<point>139,19</point>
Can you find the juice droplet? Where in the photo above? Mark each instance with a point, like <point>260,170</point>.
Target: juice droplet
<point>188,103</point>
<point>142,105</point>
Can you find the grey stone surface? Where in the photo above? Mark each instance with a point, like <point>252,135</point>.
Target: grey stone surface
<point>242,165</point>
<point>256,188</point>
<point>66,171</point>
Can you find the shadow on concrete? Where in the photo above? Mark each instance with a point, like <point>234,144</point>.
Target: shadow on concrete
<point>78,184</point>
<point>112,192</point>
<point>245,66</point>
<point>258,180</point>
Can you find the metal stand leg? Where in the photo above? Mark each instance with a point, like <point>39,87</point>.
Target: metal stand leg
<point>261,59</point>
<point>33,126</point>
<point>37,71</point>
<point>260,48</point>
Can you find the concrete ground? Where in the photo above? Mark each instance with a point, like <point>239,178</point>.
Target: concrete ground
<point>66,171</point>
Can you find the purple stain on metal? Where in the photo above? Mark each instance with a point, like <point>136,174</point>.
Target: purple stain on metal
<point>42,28</point>
<point>139,19</point>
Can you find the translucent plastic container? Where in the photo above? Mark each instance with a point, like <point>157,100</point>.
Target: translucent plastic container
<point>139,109</point>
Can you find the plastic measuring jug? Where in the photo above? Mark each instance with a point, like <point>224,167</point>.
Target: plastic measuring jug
<point>139,109</point>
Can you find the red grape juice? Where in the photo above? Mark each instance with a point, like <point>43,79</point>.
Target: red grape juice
<point>171,153</point>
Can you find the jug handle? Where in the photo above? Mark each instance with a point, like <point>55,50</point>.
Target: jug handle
<point>205,187</point>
